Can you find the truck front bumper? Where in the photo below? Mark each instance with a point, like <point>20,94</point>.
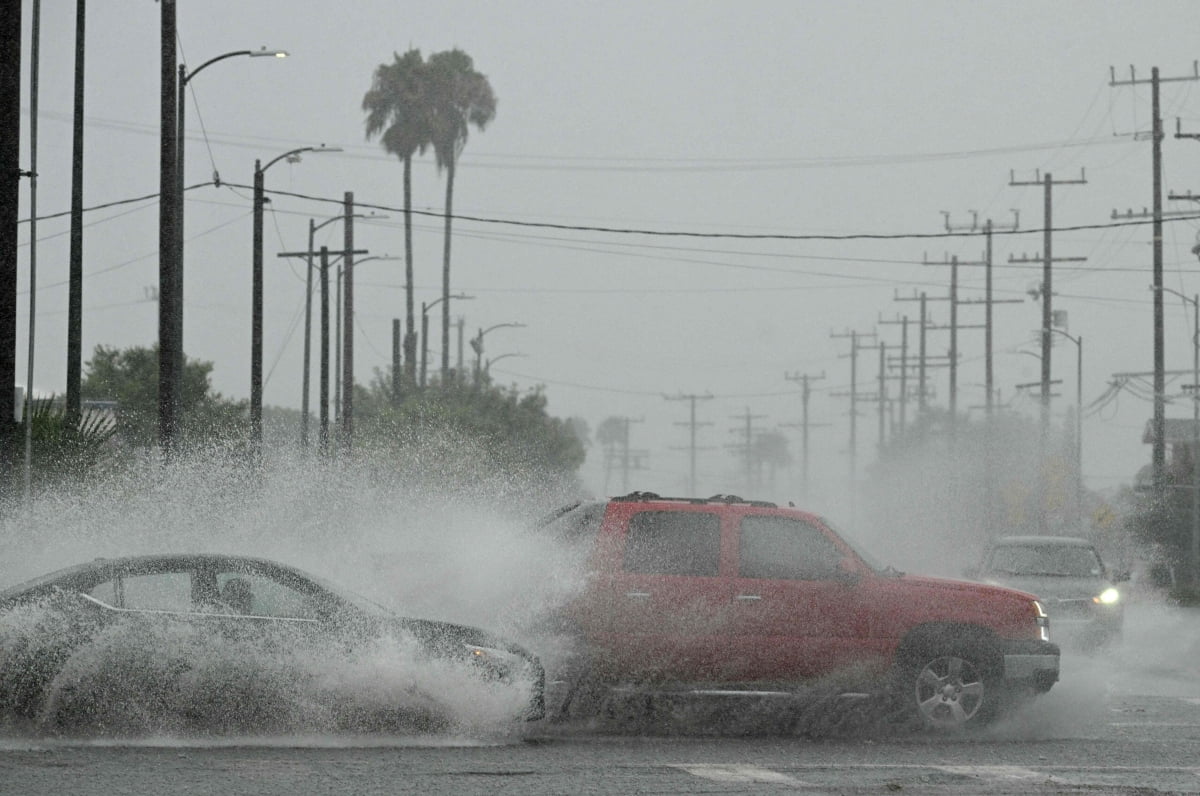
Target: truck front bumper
<point>1031,662</point>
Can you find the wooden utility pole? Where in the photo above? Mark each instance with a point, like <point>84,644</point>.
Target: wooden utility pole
<point>953,326</point>
<point>853,395</point>
<point>805,380</point>
<point>747,447</point>
<point>348,321</point>
<point>395,362</point>
<point>168,271</point>
<point>924,361</point>
<point>1047,182</point>
<point>692,425</point>
<point>988,229</point>
<point>74,403</point>
<point>324,270</point>
<point>1158,459</point>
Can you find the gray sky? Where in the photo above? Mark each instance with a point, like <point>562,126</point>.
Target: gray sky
<point>789,118</point>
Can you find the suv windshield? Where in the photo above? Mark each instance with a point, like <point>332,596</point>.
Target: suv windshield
<point>1046,559</point>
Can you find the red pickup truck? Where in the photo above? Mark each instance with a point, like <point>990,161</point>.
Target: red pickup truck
<point>724,593</point>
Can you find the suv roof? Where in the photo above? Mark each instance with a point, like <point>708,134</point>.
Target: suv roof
<point>726,499</point>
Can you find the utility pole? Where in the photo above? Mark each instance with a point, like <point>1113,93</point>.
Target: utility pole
<point>988,229</point>
<point>1047,182</point>
<point>924,360</point>
<point>323,400</point>
<point>692,426</point>
<point>324,266</point>
<point>853,395</point>
<point>348,342</point>
<point>1158,459</point>
<point>75,257</point>
<point>953,326</point>
<point>903,324</point>
<point>626,454</point>
<point>748,446</point>
<point>460,323</point>
<point>395,362</point>
<point>168,272</point>
<point>805,380</point>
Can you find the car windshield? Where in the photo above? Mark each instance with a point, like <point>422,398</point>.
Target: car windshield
<point>1073,561</point>
<point>364,604</point>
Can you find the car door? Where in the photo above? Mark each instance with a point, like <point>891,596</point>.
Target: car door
<point>256,603</point>
<point>796,599</point>
<point>667,602</point>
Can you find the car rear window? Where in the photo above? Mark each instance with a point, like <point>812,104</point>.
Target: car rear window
<point>673,543</point>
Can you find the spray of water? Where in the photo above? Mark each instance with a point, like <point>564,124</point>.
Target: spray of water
<point>435,536</point>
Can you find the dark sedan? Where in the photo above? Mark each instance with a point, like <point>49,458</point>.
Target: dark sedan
<point>212,643</point>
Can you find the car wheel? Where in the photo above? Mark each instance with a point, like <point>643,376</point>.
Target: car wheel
<point>953,689</point>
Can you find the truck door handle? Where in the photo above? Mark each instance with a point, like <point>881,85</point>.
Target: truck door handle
<point>637,595</point>
<point>749,598</point>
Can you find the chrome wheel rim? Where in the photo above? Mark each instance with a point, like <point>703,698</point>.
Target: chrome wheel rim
<point>949,692</point>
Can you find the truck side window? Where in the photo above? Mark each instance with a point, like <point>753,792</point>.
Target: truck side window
<point>673,543</point>
<point>784,548</point>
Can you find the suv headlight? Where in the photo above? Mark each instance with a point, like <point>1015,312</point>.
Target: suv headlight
<point>1109,596</point>
<point>1043,621</point>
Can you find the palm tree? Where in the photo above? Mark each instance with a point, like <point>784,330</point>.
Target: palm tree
<point>461,97</point>
<point>397,106</point>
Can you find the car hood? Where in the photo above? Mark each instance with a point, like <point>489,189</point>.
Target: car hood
<point>446,638</point>
<point>1053,586</point>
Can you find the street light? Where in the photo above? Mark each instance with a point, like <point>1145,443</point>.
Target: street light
<point>1195,387</point>
<point>477,345</point>
<point>256,298</point>
<point>425,308</point>
<point>1078,341</point>
<point>488,365</point>
<point>176,337</point>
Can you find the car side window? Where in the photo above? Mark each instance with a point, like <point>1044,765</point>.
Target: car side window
<point>254,594</point>
<point>785,548</point>
<point>673,543</point>
<point>159,591</point>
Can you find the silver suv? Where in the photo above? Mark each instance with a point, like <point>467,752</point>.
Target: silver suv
<point>1066,573</point>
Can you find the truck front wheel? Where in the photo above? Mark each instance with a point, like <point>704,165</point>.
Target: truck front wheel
<point>952,689</point>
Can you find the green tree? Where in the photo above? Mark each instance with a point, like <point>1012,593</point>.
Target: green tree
<point>459,98</point>
<point>465,435</point>
<point>397,108</point>
<point>60,449</point>
<point>130,377</point>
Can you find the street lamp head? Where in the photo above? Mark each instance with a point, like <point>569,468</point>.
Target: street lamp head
<point>263,52</point>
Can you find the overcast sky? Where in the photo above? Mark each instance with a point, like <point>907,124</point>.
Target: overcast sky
<point>775,118</point>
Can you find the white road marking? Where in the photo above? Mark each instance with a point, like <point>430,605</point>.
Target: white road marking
<point>1000,773</point>
<point>734,773</point>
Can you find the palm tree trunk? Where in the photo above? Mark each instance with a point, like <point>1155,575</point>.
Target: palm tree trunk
<point>410,336</point>
<point>446,275</point>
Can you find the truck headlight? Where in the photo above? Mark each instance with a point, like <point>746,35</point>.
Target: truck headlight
<point>1043,621</point>
<point>1109,596</point>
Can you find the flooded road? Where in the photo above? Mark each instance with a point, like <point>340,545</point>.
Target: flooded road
<point>1127,721</point>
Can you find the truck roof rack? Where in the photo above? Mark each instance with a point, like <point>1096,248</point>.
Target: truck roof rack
<point>633,497</point>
